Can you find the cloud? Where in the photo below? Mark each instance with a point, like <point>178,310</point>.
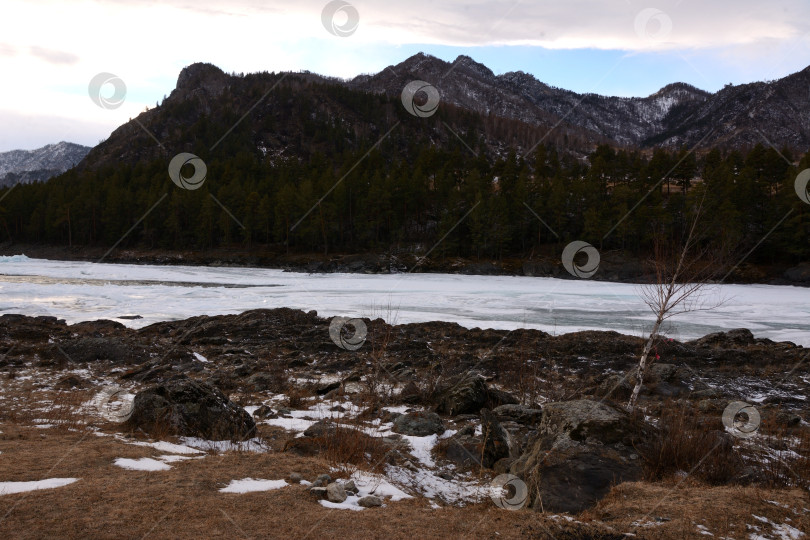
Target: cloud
<point>55,47</point>
<point>7,50</point>
<point>54,57</point>
<point>550,24</point>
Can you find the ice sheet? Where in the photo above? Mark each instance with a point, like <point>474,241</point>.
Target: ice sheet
<point>78,291</point>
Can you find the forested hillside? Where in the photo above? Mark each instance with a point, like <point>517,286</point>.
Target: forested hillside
<point>319,167</point>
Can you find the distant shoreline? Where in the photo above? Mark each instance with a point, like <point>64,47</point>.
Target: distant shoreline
<point>615,266</point>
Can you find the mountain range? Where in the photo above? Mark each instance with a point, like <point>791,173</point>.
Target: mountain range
<point>495,112</point>
<point>676,115</point>
<point>26,166</point>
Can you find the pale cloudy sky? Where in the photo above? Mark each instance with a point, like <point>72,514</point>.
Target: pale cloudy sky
<point>50,50</point>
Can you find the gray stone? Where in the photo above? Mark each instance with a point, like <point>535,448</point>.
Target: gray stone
<point>335,493</point>
<point>370,501</point>
<point>296,478</point>
<point>419,424</point>
<point>322,481</point>
<point>350,486</point>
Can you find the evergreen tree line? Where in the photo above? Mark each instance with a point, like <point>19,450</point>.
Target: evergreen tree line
<point>409,200</point>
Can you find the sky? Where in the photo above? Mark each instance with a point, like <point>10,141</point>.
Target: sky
<point>50,51</point>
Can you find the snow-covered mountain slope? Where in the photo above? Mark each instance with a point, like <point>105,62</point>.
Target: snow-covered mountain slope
<point>38,165</point>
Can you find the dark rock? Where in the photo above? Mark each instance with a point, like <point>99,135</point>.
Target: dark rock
<point>318,492</point>
<point>328,387</point>
<point>581,449</point>
<point>320,428</point>
<point>93,349</point>
<point>467,396</point>
<point>71,381</point>
<point>788,419</point>
<point>495,439</point>
<point>263,381</point>
<point>419,424</point>
<point>189,408</point>
<point>322,481</point>
<point>518,413</point>
<point>727,340</point>
<point>503,465</point>
<point>496,398</point>
<point>264,412</point>
<point>296,478</point>
<point>800,273</point>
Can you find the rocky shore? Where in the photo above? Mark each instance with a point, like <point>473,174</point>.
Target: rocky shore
<point>546,409</point>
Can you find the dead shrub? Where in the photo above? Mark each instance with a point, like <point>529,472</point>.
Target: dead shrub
<point>685,443</point>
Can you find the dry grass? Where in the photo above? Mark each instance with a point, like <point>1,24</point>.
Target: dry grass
<point>185,502</point>
<point>685,443</point>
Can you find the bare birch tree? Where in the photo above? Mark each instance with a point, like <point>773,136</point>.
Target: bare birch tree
<point>681,276</point>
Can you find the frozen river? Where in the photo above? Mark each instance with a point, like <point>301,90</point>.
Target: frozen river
<point>78,291</point>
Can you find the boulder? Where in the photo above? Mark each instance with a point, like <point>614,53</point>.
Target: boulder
<point>322,481</point>
<point>370,501</point>
<point>463,449</point>
<point>466,396</point>
<point>335,493</point>
<point>93,349</point>
<point>581,449</point>
<point>518,413</point>
<point>419,424</point>
<point>732,339</point>
<point>189,408</point>
<point>496,398</point>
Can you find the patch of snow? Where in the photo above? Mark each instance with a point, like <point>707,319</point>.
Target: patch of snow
<point>142,464</point>
<point>349,504</point>
<point>378,485</point>
<point>250,485</point>
<point>422,447</point>
<point>7,488</point>
<point>290,424</point>
<point>453,492</point>
<point>171,448</point>
<point>172,458</point>
<point>254,445</point>
<point>201,358</point>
